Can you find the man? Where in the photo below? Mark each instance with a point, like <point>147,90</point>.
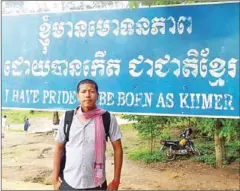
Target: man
<point>26,125</point>
<point>4,125</point>
<point>85,149</point>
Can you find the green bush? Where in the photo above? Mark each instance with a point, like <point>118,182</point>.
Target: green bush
<point>146,156</point>
<point>233,152</point>
<point>206,148</point>
<point>207,151</point>
<point>165,134</point>
<point>208,159</point>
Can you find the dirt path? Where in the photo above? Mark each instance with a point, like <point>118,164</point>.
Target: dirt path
<point>27,164</point>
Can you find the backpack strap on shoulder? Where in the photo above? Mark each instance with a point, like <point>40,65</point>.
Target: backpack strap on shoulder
<point>106,122</point>
<point>67,123</point>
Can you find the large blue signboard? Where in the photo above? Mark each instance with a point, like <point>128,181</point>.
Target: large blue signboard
<point>177,60</point>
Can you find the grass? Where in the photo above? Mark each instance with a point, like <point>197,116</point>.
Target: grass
<point>130,139</point>
<point>136,148</point>
<point>143,154</point>
<point>207,150</point>
<point>119,115</point>
<point>16,130</point>
<point>17,116</point>
<point>126,127</point>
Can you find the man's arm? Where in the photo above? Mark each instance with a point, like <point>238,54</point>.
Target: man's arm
<point>118,160</point>
<point>60,141</point>
<point>115,136</point>
<point>56,164</point>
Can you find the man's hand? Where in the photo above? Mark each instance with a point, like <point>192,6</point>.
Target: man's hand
<point>57,184</point>
<point>56,165</point>
<point>112,187</point>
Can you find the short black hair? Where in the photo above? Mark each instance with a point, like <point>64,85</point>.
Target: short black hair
<point>87,81</point>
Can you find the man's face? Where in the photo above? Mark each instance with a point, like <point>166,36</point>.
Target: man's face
<point>87,96</point>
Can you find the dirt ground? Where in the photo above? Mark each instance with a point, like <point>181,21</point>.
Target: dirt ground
<point>27,165</point>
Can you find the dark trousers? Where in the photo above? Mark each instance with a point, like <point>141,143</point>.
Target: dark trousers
<point>65,186</point>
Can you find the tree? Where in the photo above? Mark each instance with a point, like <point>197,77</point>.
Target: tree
<point>149,127</point>
<point>222,130</point>
<point>137,4</point>
<point>55,118</point>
